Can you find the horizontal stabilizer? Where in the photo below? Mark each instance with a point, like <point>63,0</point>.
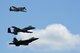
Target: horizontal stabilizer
<point>11,44</point>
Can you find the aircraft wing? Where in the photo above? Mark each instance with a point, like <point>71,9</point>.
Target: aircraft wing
<point>25,28</point>
<point>28,28</point>
<point>15,27</point>
<point>32,39</point>
<point>14,7</point>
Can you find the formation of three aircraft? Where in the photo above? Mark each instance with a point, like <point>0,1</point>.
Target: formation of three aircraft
<point>16,30</point>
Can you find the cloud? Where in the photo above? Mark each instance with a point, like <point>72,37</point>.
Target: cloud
<point>54,37</point>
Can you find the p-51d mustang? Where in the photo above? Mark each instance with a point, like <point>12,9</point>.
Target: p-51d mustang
<point>16,30</point>
<point>17,9</point>
<point>22,42</point>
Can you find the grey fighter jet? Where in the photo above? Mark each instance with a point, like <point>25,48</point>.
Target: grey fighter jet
<point>22,42</point>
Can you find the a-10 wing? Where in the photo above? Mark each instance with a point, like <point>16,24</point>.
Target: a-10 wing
<point>28,28</point>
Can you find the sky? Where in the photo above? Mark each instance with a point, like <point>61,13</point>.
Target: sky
<point>57,25</point>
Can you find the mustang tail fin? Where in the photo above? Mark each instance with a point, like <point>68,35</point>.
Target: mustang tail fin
<point>10,9</point>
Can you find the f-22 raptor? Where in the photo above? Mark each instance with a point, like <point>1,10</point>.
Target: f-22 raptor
<point>22,42</point>
<point>16,30</point>
<point>17,9</point>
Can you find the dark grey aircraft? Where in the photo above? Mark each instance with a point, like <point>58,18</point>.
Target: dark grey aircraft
<point>16,30</point>
<point>17,9</point>
<point>22,42</point>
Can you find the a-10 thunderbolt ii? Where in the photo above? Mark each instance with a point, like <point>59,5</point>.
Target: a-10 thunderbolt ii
<point>22,42</point>
<point>16,30</point>
<point>17,9</point>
